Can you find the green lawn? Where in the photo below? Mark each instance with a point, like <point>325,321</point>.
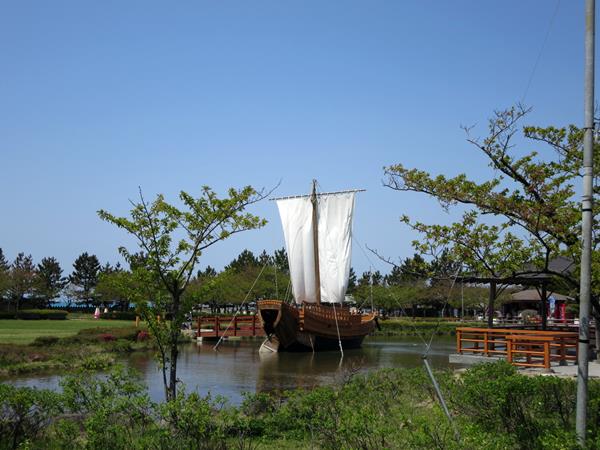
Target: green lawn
<point>25,331</point>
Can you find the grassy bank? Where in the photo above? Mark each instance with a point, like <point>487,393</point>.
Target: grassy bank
<point>26,331</point>
<point>493,407</point>
<point>414,327</point>
<point>45,346</point>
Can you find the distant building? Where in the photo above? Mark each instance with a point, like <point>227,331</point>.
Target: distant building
<point>531,299</point>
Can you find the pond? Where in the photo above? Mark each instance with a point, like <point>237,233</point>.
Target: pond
<point>239,367</point>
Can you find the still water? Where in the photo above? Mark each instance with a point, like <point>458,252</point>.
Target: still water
<point>239,367</point>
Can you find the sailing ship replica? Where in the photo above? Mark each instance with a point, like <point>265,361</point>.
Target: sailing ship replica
<point>318,238</point>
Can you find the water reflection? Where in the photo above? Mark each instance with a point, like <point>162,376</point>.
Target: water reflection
<point>239,367</point>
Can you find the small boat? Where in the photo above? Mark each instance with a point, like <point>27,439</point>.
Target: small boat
<point>318,237</point>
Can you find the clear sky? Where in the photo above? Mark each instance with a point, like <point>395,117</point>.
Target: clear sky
<point>98,98</point>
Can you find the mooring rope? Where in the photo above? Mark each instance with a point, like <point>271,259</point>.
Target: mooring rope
<point>216,347</point>
<point>338,330</point>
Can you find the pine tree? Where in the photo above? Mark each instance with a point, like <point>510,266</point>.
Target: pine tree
<point>265,259</point>
<point>351,281</point>
<point>244,260</point>
<point>50,281</point>
<point>22,279</point>
<point>84,278</point>
<point>4,276</point>
<point>281,260</point>
<point>209,272</point>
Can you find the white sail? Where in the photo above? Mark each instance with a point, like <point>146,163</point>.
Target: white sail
<point>335,244</point>
<point>334,214</point>
<point>296,218</point>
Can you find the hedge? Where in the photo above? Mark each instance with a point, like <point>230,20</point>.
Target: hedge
<point>41,314</point>
<point>119,315</point>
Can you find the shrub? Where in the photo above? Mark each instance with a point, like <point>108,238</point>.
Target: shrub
<point>45,340</point>
<point>143,336</point>
<point>24,413</point>
<point>95,334</point>
<point>116,407</point>
<point>192,421</point>
<point>41,314</point>
<point>497,398</point>
<point>119,315</point>
<point>8,315</point>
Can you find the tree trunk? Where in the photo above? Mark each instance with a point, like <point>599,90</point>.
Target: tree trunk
<point>492,297</point>
<point>544,308</point>
<point>174,350</point>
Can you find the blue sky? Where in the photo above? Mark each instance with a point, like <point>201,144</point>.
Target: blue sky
<point>98,98</point>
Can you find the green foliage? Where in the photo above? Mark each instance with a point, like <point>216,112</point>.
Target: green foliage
<point>84,279</point>
<point>22,279</point>
<point>41,314</point>
<point>4,276</point>
<point>171,241</point>
<point>119,315</point>
<point>244,260</point>
<point>410,327</point>
<point>121,288</point>
<point>50,281</point>
<point>192,422</point>
<point>493,407</point>
<point>24,414</point>
<point>532,198</point>
<point>538,412</point>
<point>45,341</point>
<point>127,333</point>
<point>115,408</point>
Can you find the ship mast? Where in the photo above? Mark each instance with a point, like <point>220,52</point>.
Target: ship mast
<point>315,221</point>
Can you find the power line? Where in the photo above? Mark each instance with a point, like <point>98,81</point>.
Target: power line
<point>539,56</point>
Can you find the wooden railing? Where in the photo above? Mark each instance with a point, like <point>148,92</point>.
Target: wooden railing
<point>242,326</point>
<point>528,348</point>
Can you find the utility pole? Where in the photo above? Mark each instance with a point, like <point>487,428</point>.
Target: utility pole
<point>586,227</point>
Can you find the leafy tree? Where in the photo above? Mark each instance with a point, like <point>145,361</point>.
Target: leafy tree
<point>22,279</point>
<point>84,278</point>
<point>172,240</point>
<point>120,288</point>
<point>531,198</point>
<point>50,281</point>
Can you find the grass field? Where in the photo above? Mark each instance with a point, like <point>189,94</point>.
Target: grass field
<point>25,331</point>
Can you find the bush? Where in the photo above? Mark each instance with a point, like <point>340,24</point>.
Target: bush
<point>7,315</point>
<point>533,410</point>
<point>107,337</point>
<point>102,333</point>
<point>143,336</point>
<point>41,314</point>
<point>45,341</point>
<point>24,414</point>
<point>119,315</point>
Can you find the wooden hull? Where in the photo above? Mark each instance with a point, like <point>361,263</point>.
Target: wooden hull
<point>312,327</point>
